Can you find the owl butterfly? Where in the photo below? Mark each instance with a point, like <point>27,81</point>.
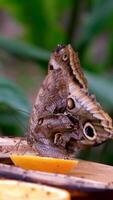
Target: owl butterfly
<point>65,117</point>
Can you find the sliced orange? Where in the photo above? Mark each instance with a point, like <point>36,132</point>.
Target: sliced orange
<point>46,164</point>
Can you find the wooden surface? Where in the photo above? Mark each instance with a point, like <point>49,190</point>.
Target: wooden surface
<point>94,171</point>
<point>85,180</point>
<point>87,171</point>
<point>52,179</point>
<point>79,188</point>
<point>12,145</point>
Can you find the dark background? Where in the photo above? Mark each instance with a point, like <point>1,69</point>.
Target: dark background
<point>29,31</point>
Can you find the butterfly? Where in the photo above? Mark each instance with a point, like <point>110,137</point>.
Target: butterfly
<point>65,117</point>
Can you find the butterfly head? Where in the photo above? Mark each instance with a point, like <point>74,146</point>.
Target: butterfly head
<point>65,59</point>
<point>59,57</point>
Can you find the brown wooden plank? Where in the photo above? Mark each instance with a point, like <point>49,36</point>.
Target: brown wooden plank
<point>93,171</point>
<point>58,180</point>
<point>84,169</point>
<point>12,145</point>
<point>79,188</point>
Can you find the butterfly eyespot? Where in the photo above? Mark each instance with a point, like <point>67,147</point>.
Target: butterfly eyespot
<point>89,131</point>
<point>65,57</point>
<point>70,103</point>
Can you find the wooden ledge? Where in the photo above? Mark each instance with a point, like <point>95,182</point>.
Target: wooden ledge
<point>16,151</point>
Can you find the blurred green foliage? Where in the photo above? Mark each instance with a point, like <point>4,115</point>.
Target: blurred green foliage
<point>12,101</point>
<point>87,25</point>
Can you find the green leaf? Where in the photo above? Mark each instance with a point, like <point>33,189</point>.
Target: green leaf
<point>12,121</point>
<point>23,50</point>
<point>14,108</point>
<point>39,19</point>
<point>95,23</point>
<point>103,88</point>
<point>11,95</point>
